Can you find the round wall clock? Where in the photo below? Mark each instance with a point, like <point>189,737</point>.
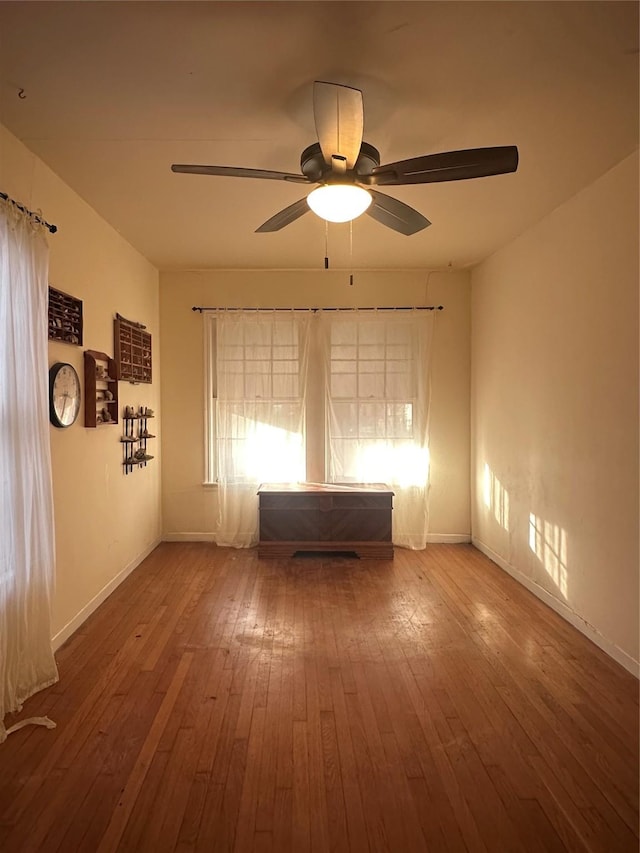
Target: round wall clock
<point>64,394</point>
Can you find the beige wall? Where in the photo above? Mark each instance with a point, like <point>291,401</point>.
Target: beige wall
<point>555,409</point>
<point>105,522</point>
<point>189,508</point>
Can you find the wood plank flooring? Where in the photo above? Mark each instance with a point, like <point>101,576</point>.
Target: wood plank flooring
<point>220,702</point>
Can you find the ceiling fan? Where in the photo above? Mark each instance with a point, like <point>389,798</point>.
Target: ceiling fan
<point>346,168</point>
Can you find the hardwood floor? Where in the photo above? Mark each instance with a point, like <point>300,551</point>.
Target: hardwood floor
<point>220,702</point>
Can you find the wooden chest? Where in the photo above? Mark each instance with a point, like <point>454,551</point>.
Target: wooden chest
<point>325,517</point>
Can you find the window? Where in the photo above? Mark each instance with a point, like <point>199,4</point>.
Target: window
<point>27,550</point>
<point>366,413</point>
<point>255,411</point>
<point>375,427</point>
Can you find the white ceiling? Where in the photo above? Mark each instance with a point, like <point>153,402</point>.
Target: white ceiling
<point>115,92</point>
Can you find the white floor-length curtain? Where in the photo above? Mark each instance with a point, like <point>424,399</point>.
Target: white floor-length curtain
<point>377,368</point>
<point>27,554</point>
<point>261,370</point>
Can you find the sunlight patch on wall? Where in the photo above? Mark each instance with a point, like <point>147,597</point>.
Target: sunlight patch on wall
<point>496,497</point>
<point>548,542</point>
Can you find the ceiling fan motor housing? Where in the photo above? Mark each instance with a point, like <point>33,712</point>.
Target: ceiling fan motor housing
<point>314,167</point>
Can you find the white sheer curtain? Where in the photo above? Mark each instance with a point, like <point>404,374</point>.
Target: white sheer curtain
<point>261,370</point>
<point>377,408</point>
<point>26,508</point>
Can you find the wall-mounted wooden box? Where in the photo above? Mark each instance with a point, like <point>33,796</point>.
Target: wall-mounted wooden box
<point>132,347</point>
<point>65,317</point>
<point>100,389</point>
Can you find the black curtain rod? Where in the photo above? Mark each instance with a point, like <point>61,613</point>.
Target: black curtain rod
<point>386,308</point>
<point>52,228</point>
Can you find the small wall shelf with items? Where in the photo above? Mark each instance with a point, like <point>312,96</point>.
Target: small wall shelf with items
<point>135,436</point>
<point>132,347</point>
<point>65,317</point>
<point>100,389</point>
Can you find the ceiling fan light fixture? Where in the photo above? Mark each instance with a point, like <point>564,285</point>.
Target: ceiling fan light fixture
<point>339,202</point>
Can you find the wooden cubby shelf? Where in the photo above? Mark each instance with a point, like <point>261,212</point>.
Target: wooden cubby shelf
<point>132,346</point>
<point>65,317</point>
<point>100,389</point>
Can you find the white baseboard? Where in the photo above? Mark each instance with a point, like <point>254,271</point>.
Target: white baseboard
<point>448,538</point>
<point>442,538</point>
<point>63,635</point>
<point>620,656</point>
<point>188,537</point>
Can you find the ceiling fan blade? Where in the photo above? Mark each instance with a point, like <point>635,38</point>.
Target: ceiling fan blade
<point>285,216</point>
<point>339,117</point>
<point>396,214</point>
<point>448,166</point>
<point>239,172</point>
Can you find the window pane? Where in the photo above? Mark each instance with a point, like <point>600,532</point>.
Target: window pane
<point>371,367</point>
<point>371,385</point>
<point>285,386</point>
<point>368,353</point>
<point>284,352</point>
<point>346,351</point>
<point>345,419</point>
<point>399,420</point>
<point>344,385</point>
<point>371,420</point>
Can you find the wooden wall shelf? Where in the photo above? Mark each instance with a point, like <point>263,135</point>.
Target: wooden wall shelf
<point>65,318</point>
<point>100,389</point>
<point>132,348</point>
<point>135,436</point>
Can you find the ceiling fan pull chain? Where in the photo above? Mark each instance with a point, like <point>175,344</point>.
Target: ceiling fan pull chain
<point>351,252</point>
<point>326,244</point>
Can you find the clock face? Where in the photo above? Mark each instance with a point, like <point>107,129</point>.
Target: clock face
<point>64,394</point>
